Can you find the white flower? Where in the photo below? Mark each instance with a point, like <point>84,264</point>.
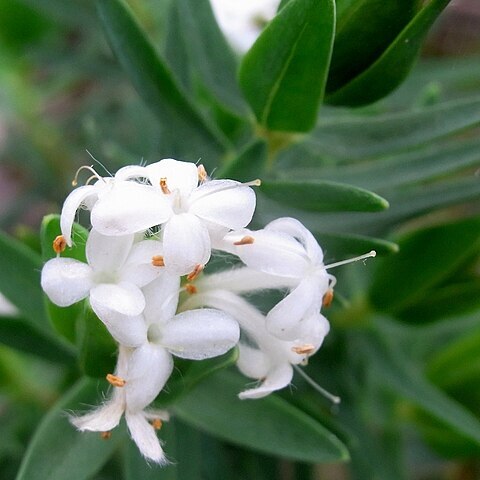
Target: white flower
<point>285,248</point>
<point>139,376</point>
<point>266,357</point>
<point>243,20</point>
<point>87,195</point>
<point>192,215</point>
<point>117,269</point>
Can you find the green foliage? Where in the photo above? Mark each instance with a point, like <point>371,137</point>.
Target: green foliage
<point>396,177</point>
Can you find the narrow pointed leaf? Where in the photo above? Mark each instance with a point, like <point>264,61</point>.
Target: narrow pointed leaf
<point>156,85</point>
<point>372,34</point>
<point>57,451</point>
<point>430,248</point>
<point>209,53</point>
<point>283,75</point>
<point>389,71</point>
<point>270,425</point>
<point>361,137</point>
<point>323,196</point>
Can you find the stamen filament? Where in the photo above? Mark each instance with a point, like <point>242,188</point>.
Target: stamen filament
<point>371,254</point>
<point>90,169</point>
<point>333,398</point>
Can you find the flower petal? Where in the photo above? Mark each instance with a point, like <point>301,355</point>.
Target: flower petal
<point>149,368</point>
<point>129,208</point>
<point>104,418</point>
<point>270,252</point>
<point>296,229</point>
<point>252,362</point>
<point>144,435</point>
<point>66,280</point>
<point>285,319</point>
<point>107,253</point>
<point>161,297</point>
<point>129,172</point>
<point>277,378</point>
<point>200,334</point>
<point>119,308</point>
<point>70,206</point>
<point>182,176</point>
<point>138,268</point>
<point>186,243</point>
<point>224,202</point>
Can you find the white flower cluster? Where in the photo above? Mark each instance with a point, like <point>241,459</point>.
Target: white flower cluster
<point>153,225</point>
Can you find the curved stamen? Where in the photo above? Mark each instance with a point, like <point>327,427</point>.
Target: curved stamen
<point>90,169</point>
<point>333,398</point>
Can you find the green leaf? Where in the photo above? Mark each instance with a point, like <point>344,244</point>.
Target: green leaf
<point>362,136</point>
<point>392,67</point>
<point>457,364</point>
<point>338,245</point>
<point>20,281</point>
<point>57,451</point>
<point>209,55</point>
<point>394,370</point>
<point>270,425</point>
<point>63,319</point>
<point>444,302</point>
<point>19,334</point>
<point>323,196</point>
<point>425,258</point>
<point>249,165</point>
<point>405,168</point>
<point>182,123</point>
<point>188,374</point>
<point>97,349</point>
<point>373,33</point>
<point>283,75</point>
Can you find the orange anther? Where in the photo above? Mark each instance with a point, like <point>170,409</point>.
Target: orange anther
<point>115,381</point>
<point>59,244</point>
<point>157,261</point>
<point>157,423</point>
<point>105,435</point>
<point>196,272</point>
<point>190,288</point>
<point>164,186</point>
<point>304,349</point>
<point>327,298</point>
<point>202,173</point>
<point>246,240</point>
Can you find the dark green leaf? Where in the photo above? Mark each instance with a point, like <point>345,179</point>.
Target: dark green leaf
<point>63,319</point>
<point>323,196</point>
<point>249,165</point>
<point>97,349</point>
<point>20,281</point>
<point>391,68</point>
<point>209,54</point>
<point>284,73</point>
<point>425,258</point>
<point>394,370</point>
<point>182,124</point>
<point>401,169</point>
<point>20,334</point>
<point>270,425</point>
<point>446,301</point>
<point>57,451</point>
<point>188,374</point>
<point>373,24</point>
<point>359,137</point>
